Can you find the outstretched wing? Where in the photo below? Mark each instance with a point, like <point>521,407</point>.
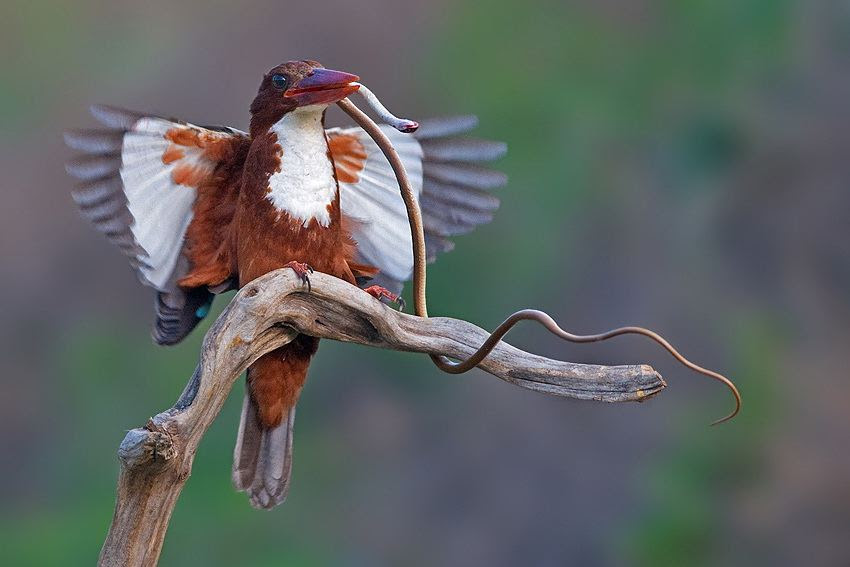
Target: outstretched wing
<point>163,191</point>
<point>453,190</point>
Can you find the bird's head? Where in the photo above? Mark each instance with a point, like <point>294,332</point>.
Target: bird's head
<point>298,84</point>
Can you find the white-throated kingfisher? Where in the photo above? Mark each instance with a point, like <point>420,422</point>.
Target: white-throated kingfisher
<point>202,210</point>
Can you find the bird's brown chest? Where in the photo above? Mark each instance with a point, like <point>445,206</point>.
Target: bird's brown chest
<point>268,237</point>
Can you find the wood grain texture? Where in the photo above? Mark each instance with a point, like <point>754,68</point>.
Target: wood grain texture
<point>156,460</point>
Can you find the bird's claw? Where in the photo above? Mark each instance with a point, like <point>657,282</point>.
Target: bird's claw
<point>301,270</point>
<point>379,293</point>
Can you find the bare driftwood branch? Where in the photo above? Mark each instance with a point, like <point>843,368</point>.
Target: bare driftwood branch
<point>156,460</point>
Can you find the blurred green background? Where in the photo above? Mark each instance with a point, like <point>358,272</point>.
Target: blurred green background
<point>681,165</point>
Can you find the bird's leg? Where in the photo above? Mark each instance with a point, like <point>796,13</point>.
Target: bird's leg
<point>379,293</point>
<point>301,270</point>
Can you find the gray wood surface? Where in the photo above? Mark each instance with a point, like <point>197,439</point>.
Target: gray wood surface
<point>157,459</point>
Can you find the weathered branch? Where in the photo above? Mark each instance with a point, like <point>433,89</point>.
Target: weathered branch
<point>156,460</point>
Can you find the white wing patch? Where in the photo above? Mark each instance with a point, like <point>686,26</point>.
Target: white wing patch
<point>139,183</point>
<point>452,187</point>
<point>380,228</point>
<point>139,178</point>
<point>160,171</point>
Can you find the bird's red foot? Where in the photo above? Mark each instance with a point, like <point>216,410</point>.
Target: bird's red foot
<point>301,270</point>
<point>379,293</point>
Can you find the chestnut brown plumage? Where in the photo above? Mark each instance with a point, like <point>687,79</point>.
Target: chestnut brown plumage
<point>201,210</point>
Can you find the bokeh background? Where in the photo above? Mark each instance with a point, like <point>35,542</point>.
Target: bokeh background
<point>681,165</point>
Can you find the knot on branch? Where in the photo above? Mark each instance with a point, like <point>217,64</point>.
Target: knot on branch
<point>146,448</point>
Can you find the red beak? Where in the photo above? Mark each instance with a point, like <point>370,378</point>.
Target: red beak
<point>323,86</point>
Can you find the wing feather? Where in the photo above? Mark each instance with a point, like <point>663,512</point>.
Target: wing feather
<point>140,181</point>
<point>451,196</point>
<point>453,190</point>
<point>114,117</point>
<point>465,174</point>
<point>463,150</point>
<point>90,168</point>
<point>95,141</point>
<point>445,127</point>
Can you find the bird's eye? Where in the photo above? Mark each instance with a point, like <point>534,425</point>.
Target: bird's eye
<point>279,81</point>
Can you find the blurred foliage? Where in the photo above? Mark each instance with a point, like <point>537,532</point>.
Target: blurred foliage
<point>51,40</point>
<point>69,526</point>
<point>567,81</point>
<point>564,83</point>
<point>689,494</point>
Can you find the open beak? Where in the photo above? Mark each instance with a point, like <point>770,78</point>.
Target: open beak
<point>322,86</point>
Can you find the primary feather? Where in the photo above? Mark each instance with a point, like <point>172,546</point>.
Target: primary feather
<point>453,190</point>
<point>139,186</point>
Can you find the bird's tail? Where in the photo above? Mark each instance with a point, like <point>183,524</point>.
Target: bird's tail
<point>262,459</point>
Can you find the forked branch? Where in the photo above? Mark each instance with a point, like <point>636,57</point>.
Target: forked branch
<point>156,460</point>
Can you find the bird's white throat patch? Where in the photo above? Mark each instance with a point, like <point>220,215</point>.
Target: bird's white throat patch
<point>305,184</point>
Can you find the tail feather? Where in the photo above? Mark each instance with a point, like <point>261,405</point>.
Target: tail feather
<point>247,448</point>
<point>262,460</point>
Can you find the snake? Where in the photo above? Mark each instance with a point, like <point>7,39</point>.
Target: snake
<point>420,261</point>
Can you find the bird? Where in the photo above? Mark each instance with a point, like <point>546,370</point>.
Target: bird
<point>201,210</point>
